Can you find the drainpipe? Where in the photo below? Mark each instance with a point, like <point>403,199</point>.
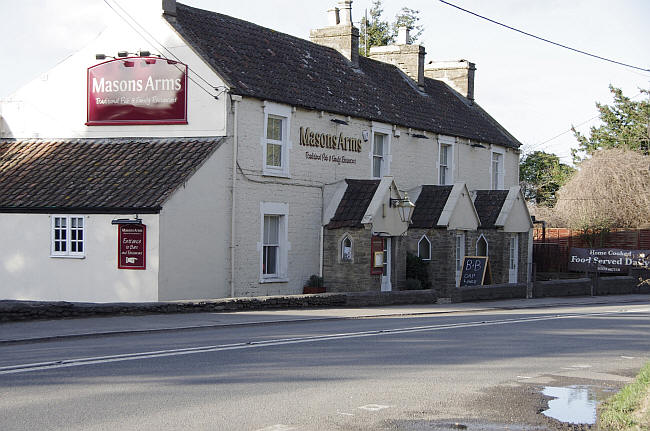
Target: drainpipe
<point>235,104</point>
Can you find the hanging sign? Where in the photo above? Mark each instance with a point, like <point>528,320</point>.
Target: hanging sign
<point>132,246</point>
<point>137,90</point>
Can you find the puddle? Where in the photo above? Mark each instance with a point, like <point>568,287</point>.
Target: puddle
<point>573,404</point>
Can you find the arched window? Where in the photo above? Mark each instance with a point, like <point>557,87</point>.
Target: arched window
<point>481,246</point>
<point>346,249</point>
<point>424,248</point>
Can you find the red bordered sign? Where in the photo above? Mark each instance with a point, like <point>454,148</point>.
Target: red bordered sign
<point>132,246</point>
<point>376,255</point>
<point>137,90</point>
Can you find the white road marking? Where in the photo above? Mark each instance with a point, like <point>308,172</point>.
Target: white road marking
<point>24,368</point>
<point>345,414</point>
<point>628,357</point>
<point>373,407</point>
<point>278,427</point>
<point>524,377</point>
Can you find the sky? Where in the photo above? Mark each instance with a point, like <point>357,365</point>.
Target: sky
<point>534,89</point>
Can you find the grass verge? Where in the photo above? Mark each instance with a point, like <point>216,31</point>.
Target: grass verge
<point>629,409</point>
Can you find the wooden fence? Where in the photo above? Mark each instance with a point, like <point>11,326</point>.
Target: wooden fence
<point>551,245</point>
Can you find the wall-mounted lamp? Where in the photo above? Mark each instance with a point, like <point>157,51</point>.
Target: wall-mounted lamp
<point>135,220</point>
<point>404,206</point>
<point>122,54</point>
<point>337,121</point>
<point>419,135</point>
<point>478,146</point>
<point>365,135</point>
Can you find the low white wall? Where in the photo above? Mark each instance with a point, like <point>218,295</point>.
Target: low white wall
<point>28,272</point>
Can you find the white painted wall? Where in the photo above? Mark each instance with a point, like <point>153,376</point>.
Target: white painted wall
<point>54,105</point>
<point>414,161</point>
<point>473,165</point>
<point>28,272</point>
<point>195,233</point>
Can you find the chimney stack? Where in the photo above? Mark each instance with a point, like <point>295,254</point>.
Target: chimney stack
<point>169,7</point>
<point>409,58</point>
<point>403,35</point>
<point>459,75</point>
<point>341,34</point>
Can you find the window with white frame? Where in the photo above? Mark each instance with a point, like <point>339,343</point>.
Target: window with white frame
<point>445,160</point>
<point>346,249</point>
<point>513,252</point>
<point>275,142</point>
<point>380,154</point>
<point>481,246</point>
<point>67,236</point>
<point>270,262</point>
<point>460,255</point>
<point>424,248</point>
<point>274,245</point>
<point>497,170</point>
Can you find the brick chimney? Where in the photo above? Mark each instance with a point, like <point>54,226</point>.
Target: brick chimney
<point>409,58</point>
<point>459,75</point>
<point>341,34</point>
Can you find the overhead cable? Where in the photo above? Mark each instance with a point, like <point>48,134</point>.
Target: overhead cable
<point>546,40</point>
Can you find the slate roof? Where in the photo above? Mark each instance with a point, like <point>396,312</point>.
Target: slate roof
<point>429,206</point>
<point>488,204</point>
<point>265,64</point>
<point>354,203</point>
<point>97,175</point>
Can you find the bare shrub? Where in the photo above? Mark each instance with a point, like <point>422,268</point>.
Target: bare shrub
<point>611,189</point>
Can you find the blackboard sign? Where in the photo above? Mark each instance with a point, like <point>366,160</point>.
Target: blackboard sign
<point>475,272</point>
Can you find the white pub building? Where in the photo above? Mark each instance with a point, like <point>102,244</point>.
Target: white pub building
<point>185,154</point>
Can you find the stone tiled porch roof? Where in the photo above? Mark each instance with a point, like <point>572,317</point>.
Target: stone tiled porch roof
<point>429,206</point>
<point>353,204</point>
<point>488,204</point>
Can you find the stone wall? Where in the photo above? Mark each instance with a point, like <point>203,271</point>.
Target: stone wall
<point>351,276</point>
<point>442,267</point>
<point>492,292</point>
<point>33,310</point>
<point>354,276</point>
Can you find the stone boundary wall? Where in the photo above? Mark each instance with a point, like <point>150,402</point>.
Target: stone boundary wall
<point>492,292</point>
<point>11,310</point>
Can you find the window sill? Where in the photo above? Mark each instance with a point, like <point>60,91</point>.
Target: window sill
<point>67,256</point>
<point>279,174</point>
<point>274,280</point>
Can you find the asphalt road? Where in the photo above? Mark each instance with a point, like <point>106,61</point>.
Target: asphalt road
<point>485,370</point>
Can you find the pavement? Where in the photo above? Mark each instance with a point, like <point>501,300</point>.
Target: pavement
<point>50,330</point>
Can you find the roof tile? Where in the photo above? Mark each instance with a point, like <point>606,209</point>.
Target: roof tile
<point>266,64</point>
<point>98,174</point>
